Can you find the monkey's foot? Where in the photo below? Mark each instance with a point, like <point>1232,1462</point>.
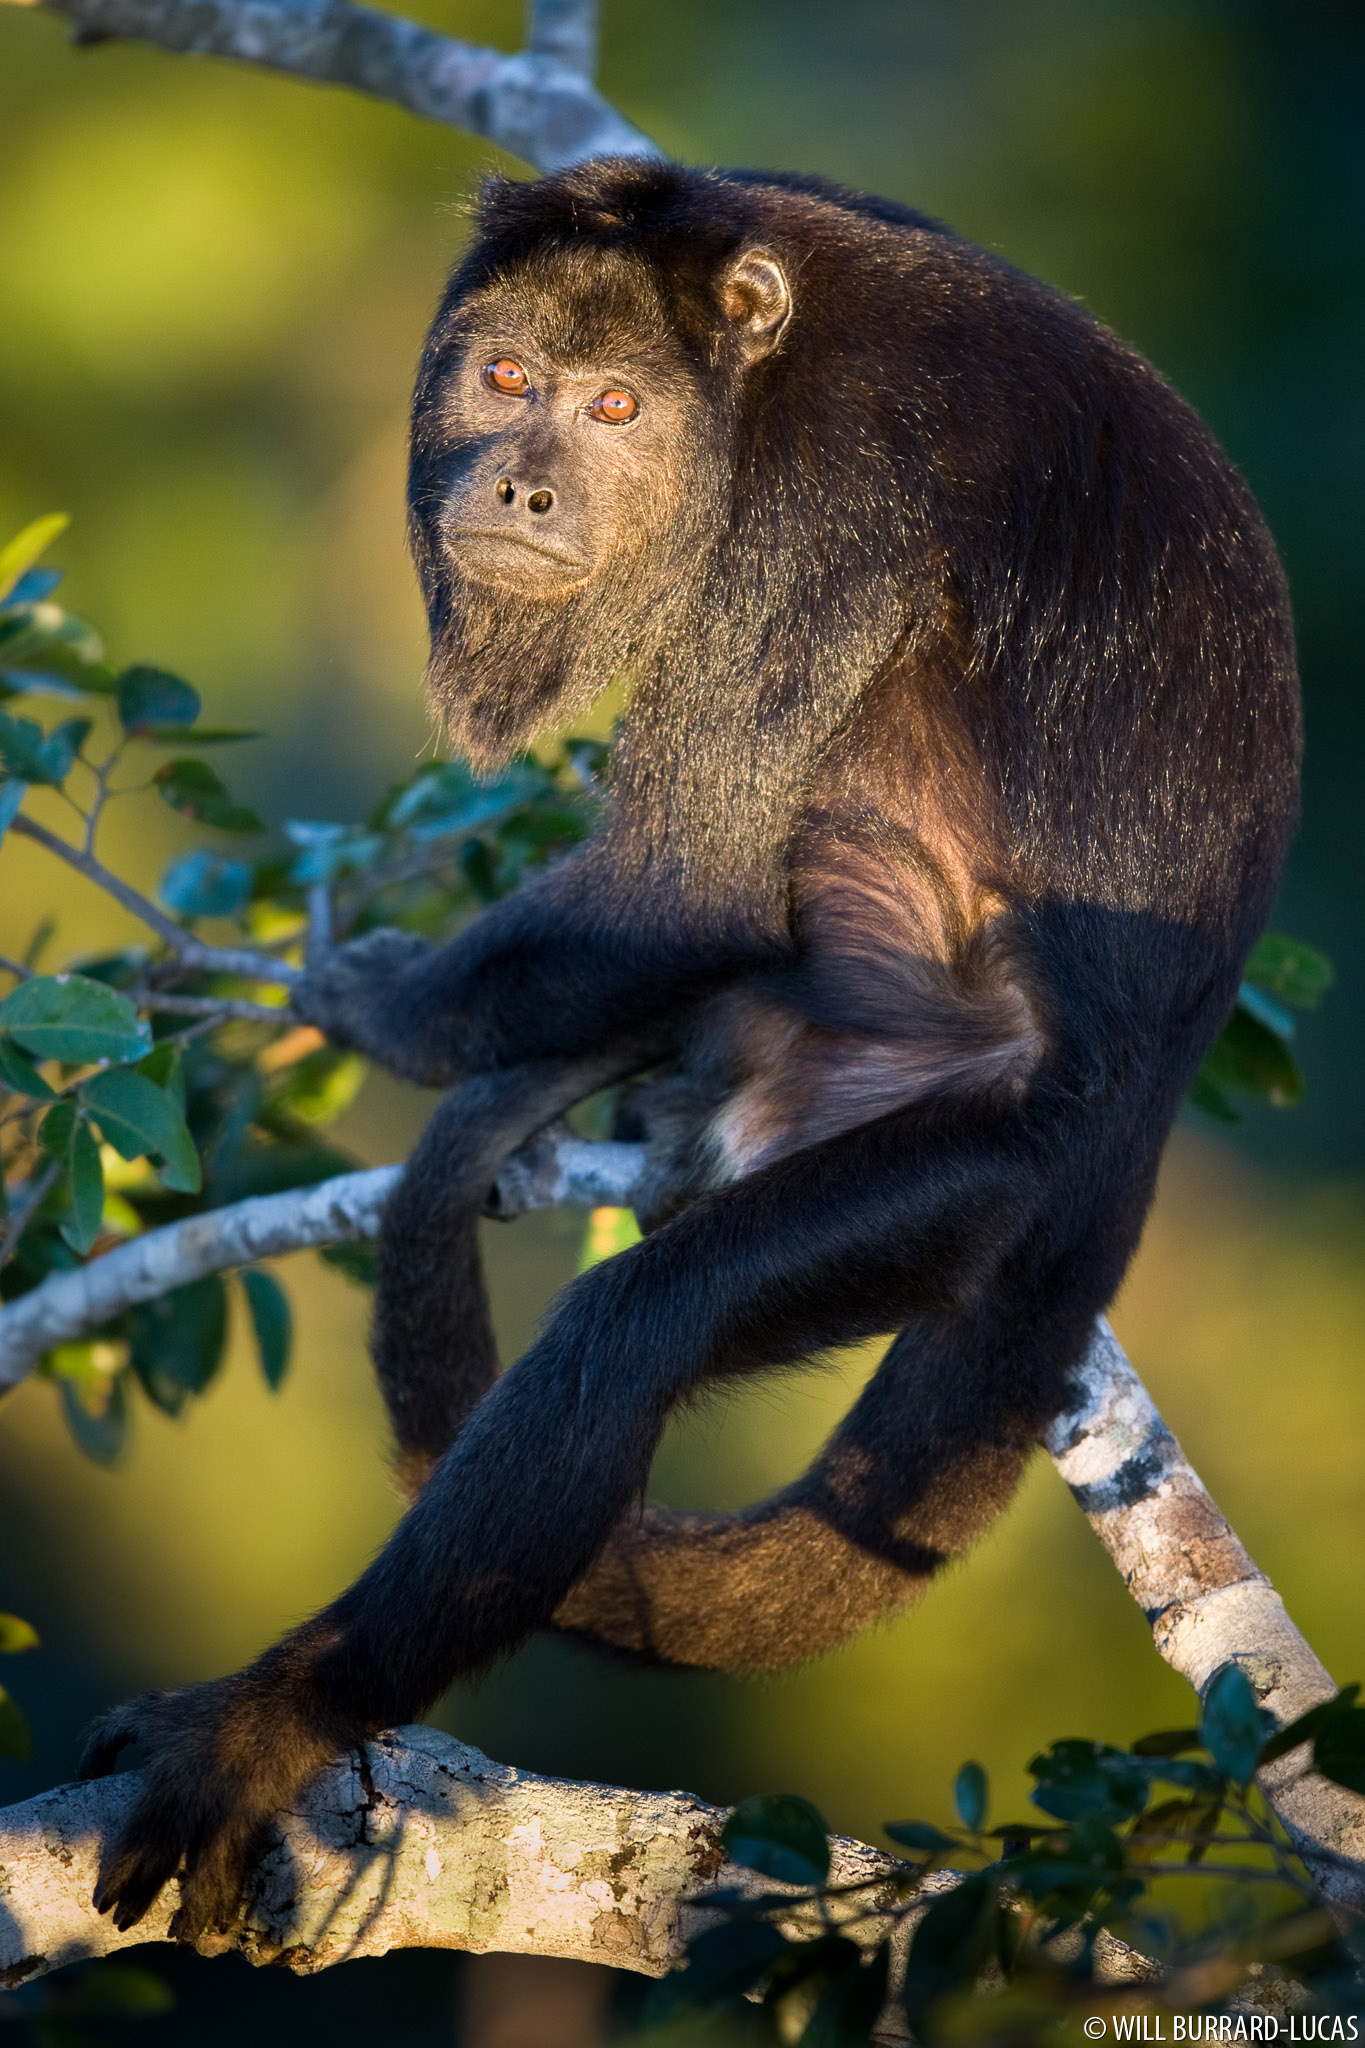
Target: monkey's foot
<point>223,1758</point>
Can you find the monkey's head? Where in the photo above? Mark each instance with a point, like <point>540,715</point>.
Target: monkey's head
<point>571,435</point>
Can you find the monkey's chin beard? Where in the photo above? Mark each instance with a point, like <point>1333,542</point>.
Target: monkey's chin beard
<point>506,664</point>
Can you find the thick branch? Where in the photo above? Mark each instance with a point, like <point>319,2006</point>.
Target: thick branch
<point>554,1170</point>
<point>538,105</point>
<point>1206,1602</point>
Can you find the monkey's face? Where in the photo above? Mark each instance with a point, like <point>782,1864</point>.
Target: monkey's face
<point>566,428</point>
<point>558,472</point>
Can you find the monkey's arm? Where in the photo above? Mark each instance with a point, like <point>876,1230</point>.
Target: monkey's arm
<point>933,1215</point>
<point>549,973</point>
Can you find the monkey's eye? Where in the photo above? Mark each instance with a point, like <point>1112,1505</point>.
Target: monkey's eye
<point>507,376</point>
<point>614,408</point>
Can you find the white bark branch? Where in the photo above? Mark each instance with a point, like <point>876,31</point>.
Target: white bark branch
<point>538,104</point>
<point>1207,1603</point>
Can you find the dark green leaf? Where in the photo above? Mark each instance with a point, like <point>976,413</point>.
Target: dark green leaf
<point>1202,1094</point>
<point>722,1963</point>
<point>16,1744</point>
<point>969,1796</point>
<point>476,864</point>
<point>1339,1748</point>
<point>192,788</point>
<point>204,735</point>
<point>918,1834</point>
<point>65,1136</point>
<point>12,794</point>
<point>1234,1728</point>
<point>121,1988</point>
<point>69,1017</point>
<point>178,1340</point>
<point>206,884</point>
<point>359,1262</point>
<point>780,1835</point>
<point>1079,1779</point>
<point>20,1075</point>
<point>16,1635</point>
<point>97,1416</point>
<point>150,698</point>
<point>1250,1059</point>
<point>1167,1742</point>
<point>272,1322</point>
<point>1295,1732</point>
<point>1287,968</point>
<point>33,755</point>
<point>137,1118</point>
<point>951,1943</point>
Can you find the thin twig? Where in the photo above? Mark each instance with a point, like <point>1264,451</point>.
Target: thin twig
<point>14,967</point>
<point>215,1008</point>
<point>194,953</point>
<point>21,1216</point>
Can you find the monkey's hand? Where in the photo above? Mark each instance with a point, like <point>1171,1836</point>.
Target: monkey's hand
<point>224,1757</point>
<point>372,997</point>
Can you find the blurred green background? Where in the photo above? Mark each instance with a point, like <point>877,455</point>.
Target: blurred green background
<point>213,288</point>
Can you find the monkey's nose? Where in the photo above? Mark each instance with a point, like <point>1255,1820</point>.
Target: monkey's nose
<point>539,501</point>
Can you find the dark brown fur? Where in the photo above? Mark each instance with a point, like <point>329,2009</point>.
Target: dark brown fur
<point>959,768</point>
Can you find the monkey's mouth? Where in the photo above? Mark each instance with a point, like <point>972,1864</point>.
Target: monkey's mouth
<point>486,555</point>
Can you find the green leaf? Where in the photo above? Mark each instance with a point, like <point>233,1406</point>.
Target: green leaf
<point>722,1963</point>
<point>1235,1729</point>
<point>192,788</point>
<point>780,1835</point>
<point>951,1943</point>
<point>1079,1780</point>
<point>204,735</point>
<point>1339,1748</point>
<point>15,1741</point>
<point>178,1340</point>
<point>1202,1094</point>
<point>1289,969</point>
<point>151,699</point>
<point>97,1415</point>
<point>20,1076</point>
<point>125,1989</point>
<point>137,1118</point>
<point>1249,1058</point>
<point>65,1135</point>
<point>69,1017</point>
<point>969,1796</point>
<point>16,1635</point>
<point>1167,1742</point>
<point>19,554</point>
<point>31,754</point>
<point>359,1262</point>
<point>45,650</point>
<point>12,794</point>
<point>273,1323</point>
<point>206,884</point>
<point>918,1834</point>
<point>1307,1725</point>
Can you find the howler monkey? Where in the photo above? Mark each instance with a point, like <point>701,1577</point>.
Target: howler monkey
<point>958,771</point>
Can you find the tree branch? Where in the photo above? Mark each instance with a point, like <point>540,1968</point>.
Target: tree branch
<point>538,104</point>
<point>193,952</point>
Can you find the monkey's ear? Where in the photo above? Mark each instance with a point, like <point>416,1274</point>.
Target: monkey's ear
<point>757,300</point>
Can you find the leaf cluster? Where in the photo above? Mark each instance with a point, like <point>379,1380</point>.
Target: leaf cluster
<point>1009,1951</point>
<point>116,1113</point>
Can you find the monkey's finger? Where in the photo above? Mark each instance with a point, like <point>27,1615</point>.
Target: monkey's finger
<point>132,1873</point>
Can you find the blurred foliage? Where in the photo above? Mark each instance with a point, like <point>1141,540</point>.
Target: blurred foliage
<point>1011,1953</point>
<point>116,1115</point>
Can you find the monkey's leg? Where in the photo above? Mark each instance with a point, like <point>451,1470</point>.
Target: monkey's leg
<point>893,1496</point>
<point>432,1341</point>
<point>950,1215</point>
